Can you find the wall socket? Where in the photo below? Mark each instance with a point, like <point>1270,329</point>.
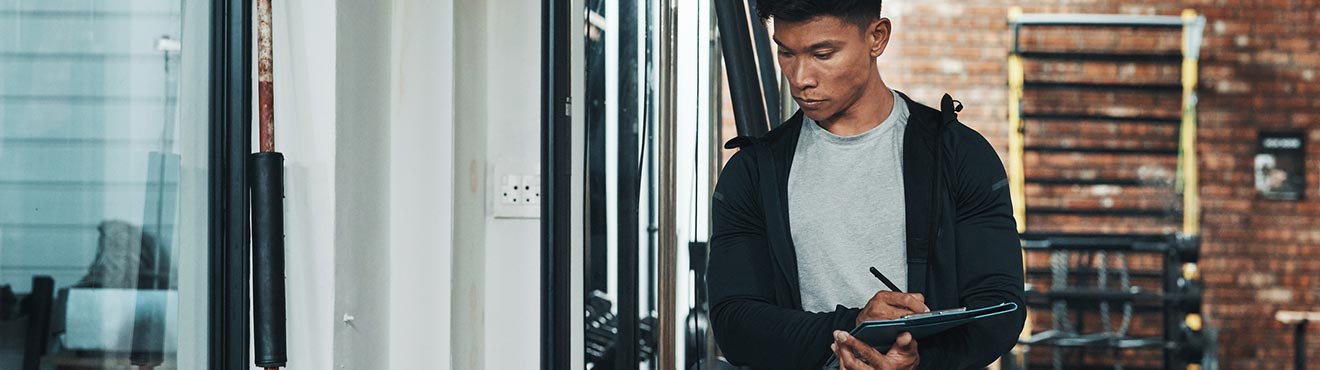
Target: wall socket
<point>517,196</point>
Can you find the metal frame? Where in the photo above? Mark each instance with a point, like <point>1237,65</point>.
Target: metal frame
<point>766,66</point>
<point>667,143</point>
<point>745,89</point>
<point>1192,26</point>
<point>556,170</point>
<point>1180,252</point>
<point>626,347</point>
<point>230,130</point>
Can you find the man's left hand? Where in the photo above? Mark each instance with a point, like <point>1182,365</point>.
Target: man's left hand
<point>854,354</point>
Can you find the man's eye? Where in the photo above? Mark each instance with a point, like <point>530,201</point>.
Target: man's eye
<point>824,56</point>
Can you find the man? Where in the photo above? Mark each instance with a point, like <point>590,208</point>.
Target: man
<point>861,176</point>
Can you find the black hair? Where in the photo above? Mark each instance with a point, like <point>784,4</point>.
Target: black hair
<point>860,12</point>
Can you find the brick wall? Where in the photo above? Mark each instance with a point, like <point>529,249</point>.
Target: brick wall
<point>1258,71</point>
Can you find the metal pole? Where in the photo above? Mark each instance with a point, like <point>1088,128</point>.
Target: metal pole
<point>265,76</point>
<point>1299,345</point>
<point>556,178</point>
<point>267,194</point>
<point>716,124</point>
<point>766,65</point>
<point>667,249</point>
<point>740,64</point>
<point>1017,184</point>
<point>629,183</point>
<point>1187,180</point>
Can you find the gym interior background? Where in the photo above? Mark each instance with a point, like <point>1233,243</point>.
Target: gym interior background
<point>418,134</point>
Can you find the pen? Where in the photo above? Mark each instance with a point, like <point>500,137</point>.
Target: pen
<point>885,280</point>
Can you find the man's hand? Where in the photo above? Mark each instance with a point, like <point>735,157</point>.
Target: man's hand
<point>854,354</point>
<point>886,305</point>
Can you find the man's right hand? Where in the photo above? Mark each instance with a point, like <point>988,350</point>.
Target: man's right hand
<point>887,305</point>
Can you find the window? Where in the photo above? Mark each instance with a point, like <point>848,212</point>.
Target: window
<point>105,138</point>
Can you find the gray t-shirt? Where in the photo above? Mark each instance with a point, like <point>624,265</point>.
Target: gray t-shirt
<point>846,212</point>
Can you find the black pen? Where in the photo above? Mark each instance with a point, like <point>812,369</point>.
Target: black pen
<point>885,280</point>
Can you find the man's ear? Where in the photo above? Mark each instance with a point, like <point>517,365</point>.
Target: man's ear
<point>878,33</point>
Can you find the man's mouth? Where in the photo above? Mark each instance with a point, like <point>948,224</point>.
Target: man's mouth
<point>810,103</point>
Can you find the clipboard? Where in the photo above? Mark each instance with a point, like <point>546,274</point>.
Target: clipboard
<point>882,333</point>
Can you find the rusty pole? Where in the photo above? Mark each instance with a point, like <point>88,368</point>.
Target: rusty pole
<point>265,77</point>
<point>265,81</point>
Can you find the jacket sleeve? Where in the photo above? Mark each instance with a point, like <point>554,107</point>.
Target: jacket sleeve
<point>751,327</point>
<point>989,258</point>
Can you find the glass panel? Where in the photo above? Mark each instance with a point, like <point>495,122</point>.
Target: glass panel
<point>103,183</point>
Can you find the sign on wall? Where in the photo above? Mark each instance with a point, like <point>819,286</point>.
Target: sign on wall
<point>1280,165</point>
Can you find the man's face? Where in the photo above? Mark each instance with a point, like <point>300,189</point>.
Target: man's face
<point>828,61</point>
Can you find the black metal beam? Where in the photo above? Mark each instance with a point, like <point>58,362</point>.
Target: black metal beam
<point>749,111</point>
<point>1094,86</point>
<point>1098,244</point>
<point>1092,273</point>
<point>556,177</point>
<point>629,188</point>
<point>230,131</point>
<point>1114,212</point>
<point>766,65</point>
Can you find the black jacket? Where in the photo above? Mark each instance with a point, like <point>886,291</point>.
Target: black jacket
<point>973,260</point>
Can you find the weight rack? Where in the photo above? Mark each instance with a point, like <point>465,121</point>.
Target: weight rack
<point>1078,281</point>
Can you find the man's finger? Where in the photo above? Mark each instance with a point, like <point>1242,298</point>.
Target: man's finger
<point>915,302</point>
<point>838,356</point>
<point>904,351</point>
<point>847,360</point>
<point>858,349</point>
<point>905,343</point>
<point>843,350</point>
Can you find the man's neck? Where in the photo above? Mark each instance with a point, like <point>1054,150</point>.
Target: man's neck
<point>869,111</point>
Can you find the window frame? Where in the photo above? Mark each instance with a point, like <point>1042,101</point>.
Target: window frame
<point>230,144</point>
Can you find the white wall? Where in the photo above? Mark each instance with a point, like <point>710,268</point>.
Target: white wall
<point>496,307</point>
<point>364,99</point>
<point>512,248</point>
<point>421,183</point>
<point>469,254</point>
<point>409,104</point>
<point>304,40</point>
<point>362,183</point>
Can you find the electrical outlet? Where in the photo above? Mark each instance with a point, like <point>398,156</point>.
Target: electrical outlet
<point>517,196</point>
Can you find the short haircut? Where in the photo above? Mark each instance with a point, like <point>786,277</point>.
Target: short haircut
<point>860,12</point>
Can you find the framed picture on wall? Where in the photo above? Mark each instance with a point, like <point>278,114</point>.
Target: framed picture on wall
<point>1280,165</point>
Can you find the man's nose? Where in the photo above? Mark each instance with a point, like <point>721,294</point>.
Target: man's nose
<point>802,79</point>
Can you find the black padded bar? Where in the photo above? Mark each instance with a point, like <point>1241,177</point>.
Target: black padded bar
<point>268,298</point>
<point>1092,272</point>
<point>1116,212</point>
